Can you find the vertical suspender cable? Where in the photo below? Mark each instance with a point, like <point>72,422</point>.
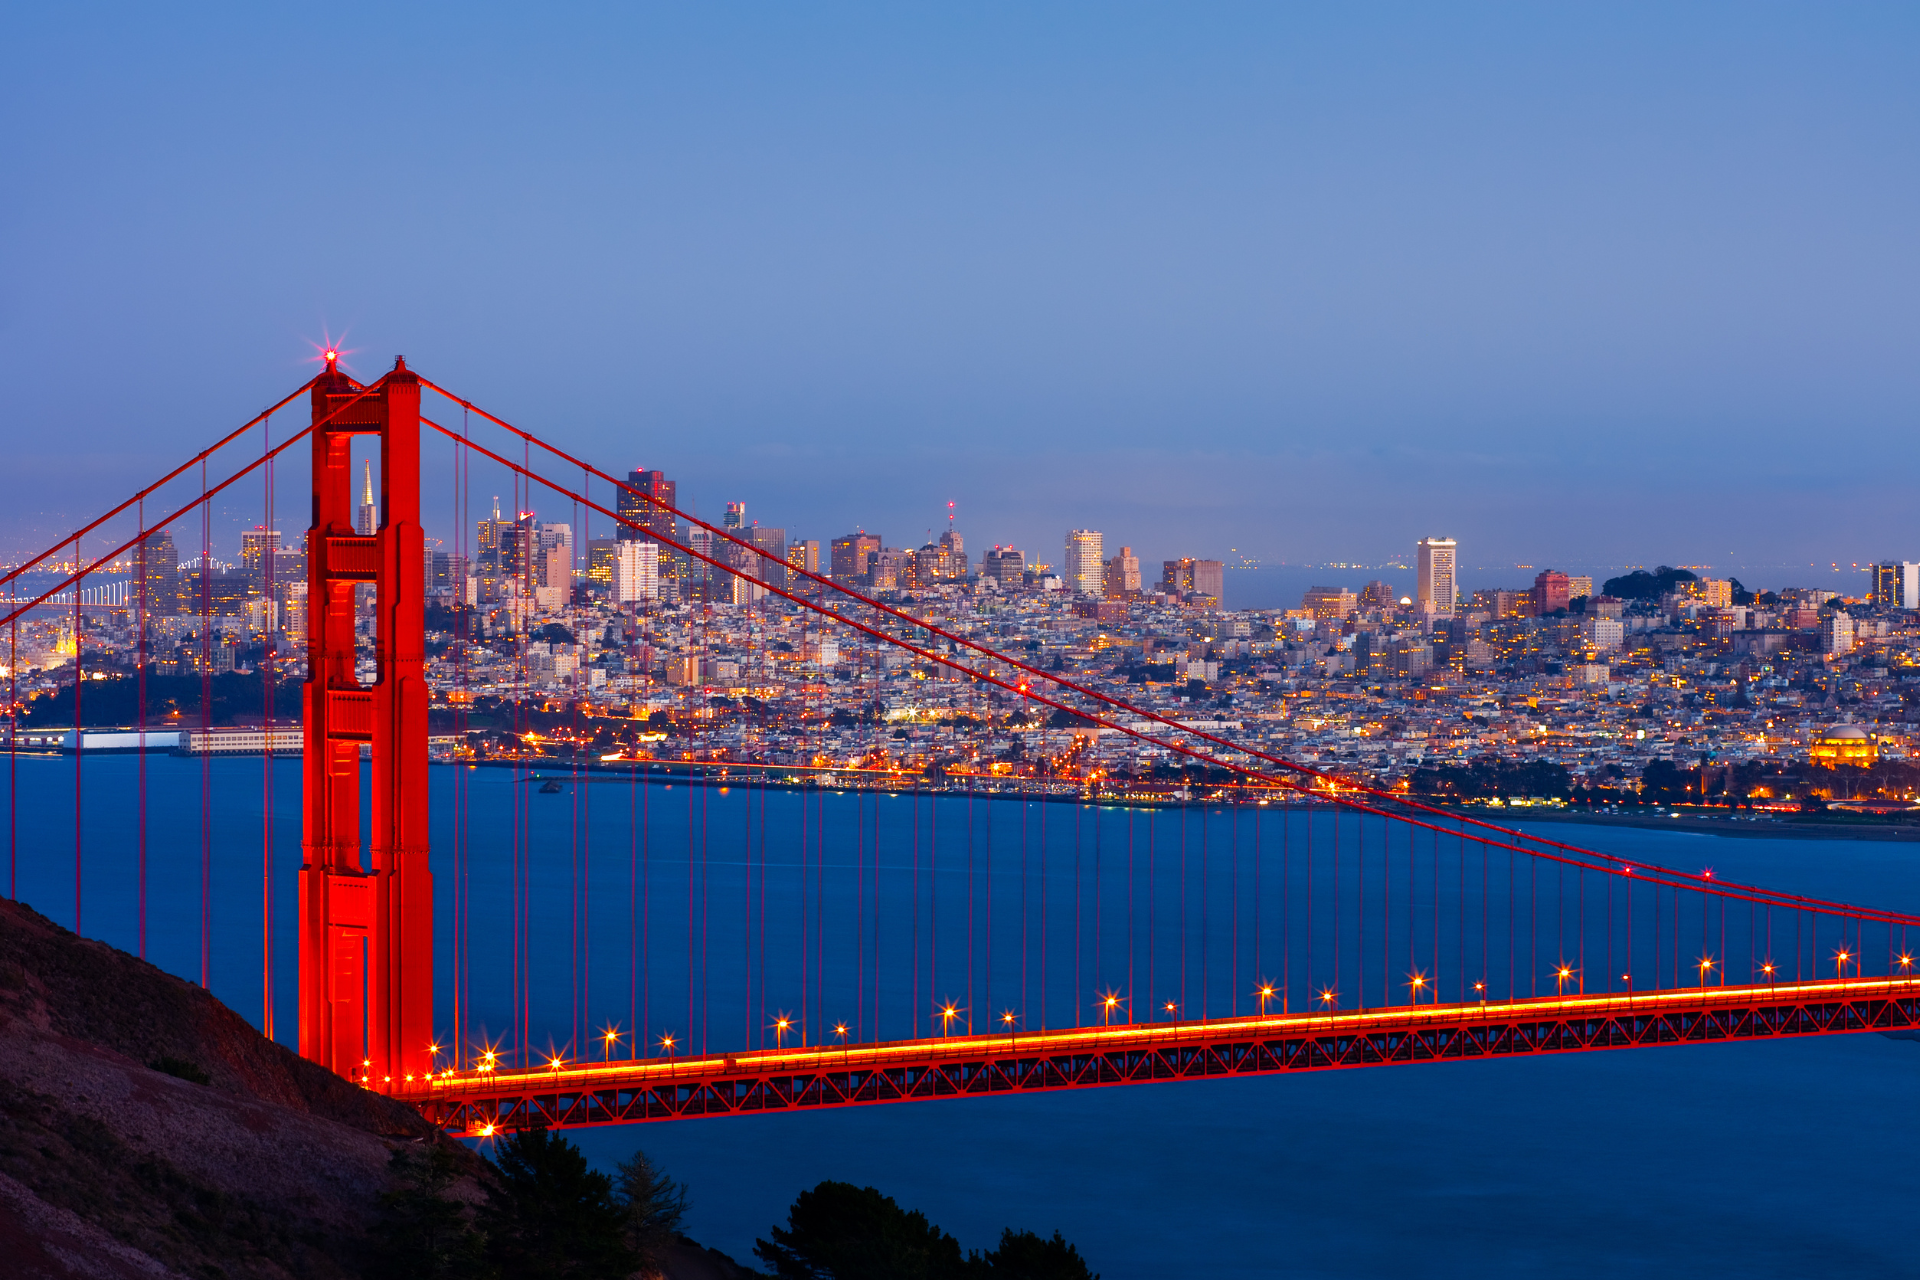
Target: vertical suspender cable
<point>206,726</point>
<point>269,544</point>
<point>79,738</point>
<point>140,711</point>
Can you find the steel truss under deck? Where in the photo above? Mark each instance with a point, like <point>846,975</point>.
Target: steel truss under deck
<point>979,1066</point>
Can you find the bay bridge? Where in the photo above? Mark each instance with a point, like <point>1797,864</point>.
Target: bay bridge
<point>849,949</point>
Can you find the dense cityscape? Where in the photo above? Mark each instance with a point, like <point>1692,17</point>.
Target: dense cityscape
<point>1661,686</point>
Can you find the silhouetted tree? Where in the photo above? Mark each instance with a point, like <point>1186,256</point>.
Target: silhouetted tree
<point>552,1216</point>
<point>423,1233</point>
<point>1022,1255</point>
<point>654,1205</point>
<point>838,1231</point>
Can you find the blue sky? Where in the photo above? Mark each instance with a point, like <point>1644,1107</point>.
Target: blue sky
<point>1575,284</point>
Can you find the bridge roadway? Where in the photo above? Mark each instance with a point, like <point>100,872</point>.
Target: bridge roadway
<point>480,1103</point>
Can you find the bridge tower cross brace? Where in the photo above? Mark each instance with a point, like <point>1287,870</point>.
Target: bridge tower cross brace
<point>366,926</point>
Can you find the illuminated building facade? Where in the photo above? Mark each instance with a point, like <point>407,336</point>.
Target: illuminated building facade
<point>1082,570</point>
<point>1845,744</point>
<point>1436,587</point>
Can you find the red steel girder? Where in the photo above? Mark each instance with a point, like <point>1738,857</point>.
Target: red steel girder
<point>1095,1057</point>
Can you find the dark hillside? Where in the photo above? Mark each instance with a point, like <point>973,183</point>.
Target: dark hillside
<point>109,1167</point>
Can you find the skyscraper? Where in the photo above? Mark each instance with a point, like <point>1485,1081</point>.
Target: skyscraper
<point>1005,565</point>
<point>369,518</point>
<point>640,517</point>
<point>157,568</point>
<point>804,554</point>
<point>1123,573</point>
<point>1188,577</point>
<point>636,571</point>
<point>770,568</point>
<point>1436,591</point>
<point>258,556</point>
<point>1549,592</point>
<point>1083,567</point>
<point>1896,584</point>
<point>852,557</point>
<point>645,508</point>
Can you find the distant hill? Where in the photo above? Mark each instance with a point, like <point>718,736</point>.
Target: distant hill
<point>1641,585</point>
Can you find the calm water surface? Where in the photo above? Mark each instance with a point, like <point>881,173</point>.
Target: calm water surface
<point>1791,1158</point>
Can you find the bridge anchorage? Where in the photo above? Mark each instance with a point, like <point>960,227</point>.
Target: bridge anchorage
<point>842,947</point>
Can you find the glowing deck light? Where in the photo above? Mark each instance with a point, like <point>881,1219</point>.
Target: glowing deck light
<point>781,1025</point>
<point>1007,1018</point>
<point>948,1012</point>
<point>1265,993</point>
<point>1906,961</point>
<point>556,1063</point>
<point>840,1029</point>
<point>486,1130</point>
<point>1840,959</point>
<point>666,1043</point>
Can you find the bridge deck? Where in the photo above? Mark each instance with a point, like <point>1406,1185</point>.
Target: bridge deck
<point>1137,1053</point>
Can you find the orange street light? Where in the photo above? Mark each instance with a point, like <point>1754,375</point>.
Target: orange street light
<point>1706,967</point>
<point>1561,977</point>
<point>1109,1001</point>
<point>1265,992</point>
<point>948,1012</point>
<point>608,1039</point>
<point>1416,983</point>
<point>1840,959</point>
<point>666,1044</point>
<point>1767,971</point>
<point>781,1025</point>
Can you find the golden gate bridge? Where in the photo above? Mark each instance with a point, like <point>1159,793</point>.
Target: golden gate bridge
<point>1405,933</point>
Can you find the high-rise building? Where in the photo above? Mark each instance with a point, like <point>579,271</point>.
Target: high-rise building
<point>646,507</point>
<point>1715,592</point>
<point>1004,565</point>
<point>771,566</point>
<point>1188,578</point>
<point>1082,569</point>
<point>156,574</point>
<point>1836,632</point>
<point>635,571</point>
<point>1549,592</point>
<point>368,519</point>
<point>1437,589</point>
<point>1579,587</point>
<point>736,517</point>
<point>852,557</point>
<point>600,554</point>
<point>804,555</point>
<point>890,569</point>
<point>1377,595</point>
<point>1896,584</point>
<point>1123,574</point>
<point>638,515</point>
<point>258,546</point>
<point>1329,604</point>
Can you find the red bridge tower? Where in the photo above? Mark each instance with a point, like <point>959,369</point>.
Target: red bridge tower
<point>366,929</point>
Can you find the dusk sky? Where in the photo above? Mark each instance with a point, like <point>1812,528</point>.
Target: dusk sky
<point>1588,285</point>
